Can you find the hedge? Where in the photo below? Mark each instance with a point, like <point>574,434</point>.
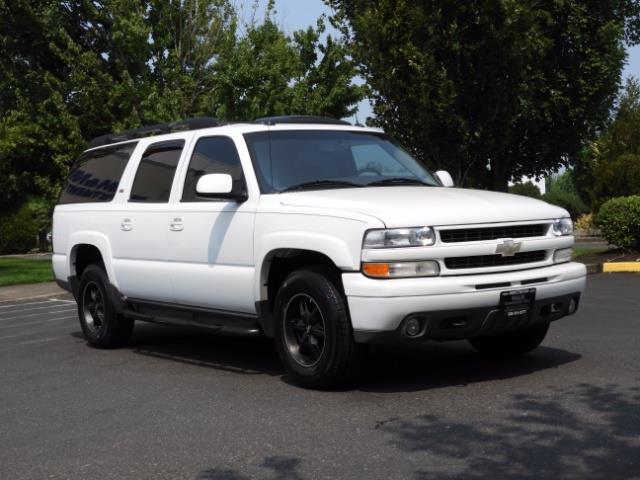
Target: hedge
<point>19,230</point>
<point>619,221</point>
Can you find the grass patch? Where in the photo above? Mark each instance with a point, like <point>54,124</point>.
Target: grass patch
<point>15,271</point>
<point>582,251</point>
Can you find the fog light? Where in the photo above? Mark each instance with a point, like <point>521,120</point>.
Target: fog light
<point>563,255</point>
<point>413,327</point>
<point>572,306</point>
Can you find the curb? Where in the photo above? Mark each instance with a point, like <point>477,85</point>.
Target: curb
<point>13,293</point>
<point>618,267</point>
<point>593,268</point>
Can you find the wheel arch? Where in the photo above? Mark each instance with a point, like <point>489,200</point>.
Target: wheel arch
<point>277,262</point>
<point>90,247</point>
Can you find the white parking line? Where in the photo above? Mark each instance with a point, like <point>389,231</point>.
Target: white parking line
<point>30,297</point>
<point>30,303</point>
<point>31,309</point>
<point>25,334</point>
<point>66,309</point>
<point>36,323</point>
<point>30,342</point>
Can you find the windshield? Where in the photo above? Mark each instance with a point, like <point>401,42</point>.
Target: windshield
<point>318,159</point>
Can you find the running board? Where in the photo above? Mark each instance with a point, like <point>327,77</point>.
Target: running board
<point>219,321</point>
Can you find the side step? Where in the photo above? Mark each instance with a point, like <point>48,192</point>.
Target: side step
<point>218,321</point>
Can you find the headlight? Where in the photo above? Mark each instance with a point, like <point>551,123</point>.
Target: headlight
<point>399,237</point>
<point>562,226</point>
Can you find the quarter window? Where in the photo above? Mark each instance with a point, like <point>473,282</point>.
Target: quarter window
<point>96,174</point>
<point>156,171</point>
<point>212,155</point>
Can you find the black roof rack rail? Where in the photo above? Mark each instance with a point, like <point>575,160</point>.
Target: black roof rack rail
<point>159,129</point>
<point>300,119</point>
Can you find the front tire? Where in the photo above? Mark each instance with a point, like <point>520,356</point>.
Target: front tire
<point>102,325</point>
<point>313,332</point>
<point>511,344</point>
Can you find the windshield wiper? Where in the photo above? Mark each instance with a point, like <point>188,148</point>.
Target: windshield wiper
<point>397,181</point>
<point>320,183</point>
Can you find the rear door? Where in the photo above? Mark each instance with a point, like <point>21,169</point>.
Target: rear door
<point>140,241</point>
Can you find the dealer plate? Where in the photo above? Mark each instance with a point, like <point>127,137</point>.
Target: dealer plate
<point>517,304</point>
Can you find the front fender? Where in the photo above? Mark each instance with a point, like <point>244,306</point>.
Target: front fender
<point>331,246</point>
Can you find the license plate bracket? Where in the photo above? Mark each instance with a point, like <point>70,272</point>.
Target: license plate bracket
<point>517,304</point>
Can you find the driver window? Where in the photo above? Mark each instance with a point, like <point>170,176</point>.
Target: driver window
<point>373,159</point>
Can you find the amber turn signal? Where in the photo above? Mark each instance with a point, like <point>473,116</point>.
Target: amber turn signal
<point>380,270</point>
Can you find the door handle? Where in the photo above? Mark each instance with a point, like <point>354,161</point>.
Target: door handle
<point>176,225</point>
<point>126,225</point>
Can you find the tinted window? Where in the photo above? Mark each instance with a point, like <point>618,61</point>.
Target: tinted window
<point>212,155</point>
<point>96,175</point>
<point>285,160</point>
<point>155,172</point>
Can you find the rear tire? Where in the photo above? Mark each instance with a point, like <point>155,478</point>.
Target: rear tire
<point>102,325</point>
<point>313,332</point>
<point>511,344</point>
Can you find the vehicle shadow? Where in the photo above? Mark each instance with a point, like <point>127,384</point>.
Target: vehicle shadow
<point>243,355</point>
<point>276,467</point>
<point>384,369</point>
<point>443,364</point>
<point>570,432</point>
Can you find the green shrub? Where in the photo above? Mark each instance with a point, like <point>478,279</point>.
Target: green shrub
<point>617,177</point>
<point>619,221</point>
<point>527,189</point>
<point>567,200</point>
<point>19,230</point>
<point>562,192</point>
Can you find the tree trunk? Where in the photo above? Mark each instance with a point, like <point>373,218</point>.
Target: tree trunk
<point>499,179</point>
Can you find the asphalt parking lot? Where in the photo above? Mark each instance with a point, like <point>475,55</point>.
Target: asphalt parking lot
<point>181,404</point>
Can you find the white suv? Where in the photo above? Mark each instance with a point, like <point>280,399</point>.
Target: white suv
<point>319,234</point>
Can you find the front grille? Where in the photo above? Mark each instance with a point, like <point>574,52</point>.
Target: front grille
<point>493,233</point>
<point>479,261</point>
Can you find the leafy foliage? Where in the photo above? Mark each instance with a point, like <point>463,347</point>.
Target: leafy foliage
<point>519,86</point>
<point>612,163</point>
<point>76,69</point>
<point>585,223</point>
<point>561,191</point>
<point>619,221</point>
<point>527,189</point>
<point>19,230</point>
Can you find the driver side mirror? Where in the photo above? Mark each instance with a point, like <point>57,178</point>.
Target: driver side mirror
<point>218,185</point>
<point>445,178</point>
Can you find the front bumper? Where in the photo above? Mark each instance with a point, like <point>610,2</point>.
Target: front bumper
<point>382,305</point>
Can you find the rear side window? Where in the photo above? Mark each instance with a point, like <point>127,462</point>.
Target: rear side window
<point>212,155</point>
<point>96,174</point>
<point>156,171</point>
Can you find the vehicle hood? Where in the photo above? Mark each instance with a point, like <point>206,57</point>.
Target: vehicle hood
<point>431,206</point>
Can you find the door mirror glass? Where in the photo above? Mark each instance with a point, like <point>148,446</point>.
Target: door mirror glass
<point>445,178</point>
<point>214,184</point>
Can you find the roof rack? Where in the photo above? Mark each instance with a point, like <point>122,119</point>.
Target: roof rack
<point>299,119</point>
<point>159,129</point>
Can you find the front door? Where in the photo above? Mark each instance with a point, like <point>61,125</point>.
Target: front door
<point>211,255</point>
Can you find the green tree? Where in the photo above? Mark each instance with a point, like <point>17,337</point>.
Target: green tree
<point>561,191</point>
<point>75,69</point>
<point>611,167</point>
<point>269,73</point>
<point>515,86</point>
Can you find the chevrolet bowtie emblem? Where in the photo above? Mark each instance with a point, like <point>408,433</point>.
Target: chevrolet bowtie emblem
<point>508,248</point>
